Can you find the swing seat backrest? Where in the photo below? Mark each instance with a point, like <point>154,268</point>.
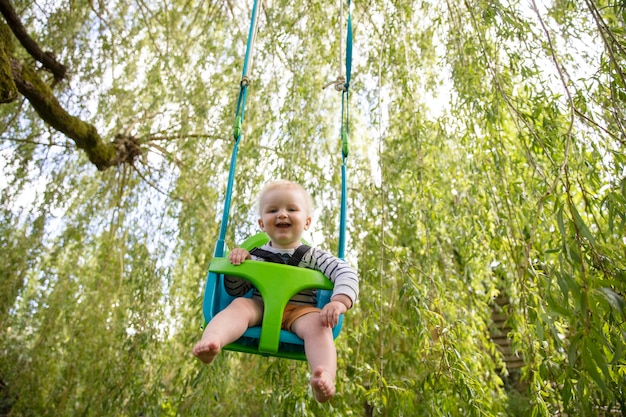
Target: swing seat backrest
<point>277,284</point>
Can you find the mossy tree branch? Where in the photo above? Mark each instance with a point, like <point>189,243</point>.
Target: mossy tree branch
<point>102,154</point>
<point>8,90</point>
<point>46,58</point>
<point>16,76</point>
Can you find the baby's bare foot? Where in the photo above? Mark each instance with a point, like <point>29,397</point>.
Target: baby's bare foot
<point>323,385</point>
<point>206,350</point>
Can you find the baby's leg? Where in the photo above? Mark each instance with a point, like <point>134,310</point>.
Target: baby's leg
<point>227,326</point>
<point>321,354</point>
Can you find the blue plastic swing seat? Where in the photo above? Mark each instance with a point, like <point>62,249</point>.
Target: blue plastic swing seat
<point>277,284</point>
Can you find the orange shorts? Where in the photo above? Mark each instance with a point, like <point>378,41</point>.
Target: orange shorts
<point>293,312</point>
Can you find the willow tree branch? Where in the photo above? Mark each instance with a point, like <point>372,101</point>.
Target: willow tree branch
<point>46,58</point>
<point>8,90</point>
<point>101,153</point>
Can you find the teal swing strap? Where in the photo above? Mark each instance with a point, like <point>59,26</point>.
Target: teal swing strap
<point>344,132</point>
<point>220,246</point>
<point>212,295</point>
<point>239,118</point>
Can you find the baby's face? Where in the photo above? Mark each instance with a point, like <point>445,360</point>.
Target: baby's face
<point>284,216</point>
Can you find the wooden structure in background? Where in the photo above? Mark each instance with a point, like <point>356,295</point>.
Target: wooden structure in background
<point>500,331</point>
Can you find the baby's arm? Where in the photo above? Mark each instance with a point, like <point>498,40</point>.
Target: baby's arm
<point>238,255</point>
<point>337,306</point>
<point>346,282</point>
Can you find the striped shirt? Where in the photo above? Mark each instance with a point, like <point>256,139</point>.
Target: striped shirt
<point>344,278</point>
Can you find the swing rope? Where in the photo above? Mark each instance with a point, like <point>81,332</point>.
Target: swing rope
<point>239,117</point>
<point>345,130</point>
<point>341,84</point>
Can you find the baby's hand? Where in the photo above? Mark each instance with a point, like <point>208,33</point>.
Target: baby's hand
<point>331,312</point>
<point>238,255</point>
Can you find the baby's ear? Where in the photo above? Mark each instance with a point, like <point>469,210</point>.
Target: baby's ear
<point>307,223</point>
<point>261,225</point>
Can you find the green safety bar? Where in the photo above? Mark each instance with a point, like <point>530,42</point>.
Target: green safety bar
<point>277,284</point>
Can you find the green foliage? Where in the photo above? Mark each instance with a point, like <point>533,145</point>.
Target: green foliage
<point>487,158</point>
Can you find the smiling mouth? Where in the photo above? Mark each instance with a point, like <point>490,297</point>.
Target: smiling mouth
<point>283,225</point>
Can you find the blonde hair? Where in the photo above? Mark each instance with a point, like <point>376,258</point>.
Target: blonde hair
<point>273,185</point>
